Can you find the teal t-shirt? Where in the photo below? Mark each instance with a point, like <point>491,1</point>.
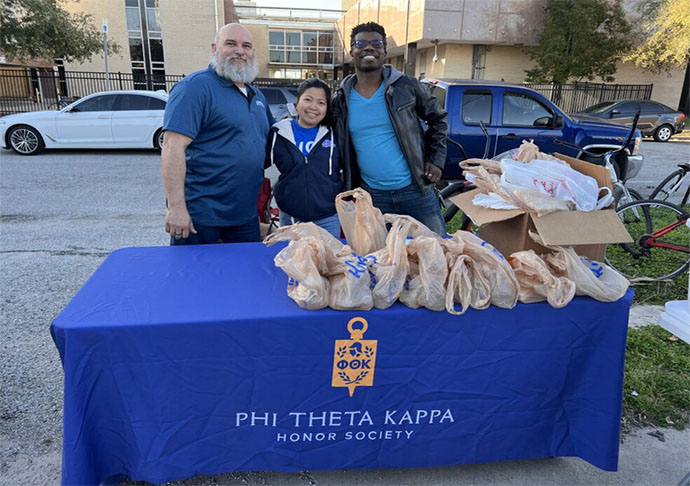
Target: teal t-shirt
<point>380,159</point>
<point>304,137</point>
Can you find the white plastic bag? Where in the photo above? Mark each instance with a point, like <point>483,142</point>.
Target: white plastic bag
<point>492,201</point>
<point>556,180</point>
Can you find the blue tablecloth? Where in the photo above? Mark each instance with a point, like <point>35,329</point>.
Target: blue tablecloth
<point>181,361</point>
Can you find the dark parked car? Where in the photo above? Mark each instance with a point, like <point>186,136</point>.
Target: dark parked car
<point>281,100</point>
<point>656,120</point>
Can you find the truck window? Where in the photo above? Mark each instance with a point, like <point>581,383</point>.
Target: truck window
<point>523,110</point>
<point>476,107</point>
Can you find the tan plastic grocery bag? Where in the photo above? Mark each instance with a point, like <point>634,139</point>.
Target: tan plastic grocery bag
<point>304,261</point>
<point>298,231</point>
<point>350,281</point>
<point>362,223</point>
<point>389,265</point>
<point>425,286</point>
<point>493,266</point>
<point>594,279</point>
<point>417,228</point>
<point>537,283</point>
<point>465,286</point>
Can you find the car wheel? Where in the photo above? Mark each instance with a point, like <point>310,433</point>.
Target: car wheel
<point>25,140</point>
<point>663,133</point>
<point>158,139</point>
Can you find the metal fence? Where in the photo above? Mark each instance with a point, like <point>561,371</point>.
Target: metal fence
<point>25,89</point>
<point>572,98</point>
<point>33,89</point>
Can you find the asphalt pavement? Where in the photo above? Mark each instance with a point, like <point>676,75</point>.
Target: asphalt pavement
<point>63,212</point>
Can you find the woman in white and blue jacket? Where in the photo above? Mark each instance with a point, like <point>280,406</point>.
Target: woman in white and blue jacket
<point>304,152</point>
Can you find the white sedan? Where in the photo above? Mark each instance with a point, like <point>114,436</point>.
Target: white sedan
<point>110,119</point>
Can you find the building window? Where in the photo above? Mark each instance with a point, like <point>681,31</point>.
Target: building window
<point>478,61</point>
<point>145,43</point>
<point>301,47</point>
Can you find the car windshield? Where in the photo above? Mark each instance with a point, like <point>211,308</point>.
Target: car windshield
<point>599,107</point>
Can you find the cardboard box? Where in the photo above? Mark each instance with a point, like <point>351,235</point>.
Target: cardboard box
<point>588,232</point>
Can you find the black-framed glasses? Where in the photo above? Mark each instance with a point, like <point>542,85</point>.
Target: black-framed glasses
<point>361,43</point>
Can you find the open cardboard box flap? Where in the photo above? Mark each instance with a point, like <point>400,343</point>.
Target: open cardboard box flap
<point>562,228</point>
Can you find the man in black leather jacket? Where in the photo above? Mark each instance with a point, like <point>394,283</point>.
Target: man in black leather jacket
<point>377,115</point>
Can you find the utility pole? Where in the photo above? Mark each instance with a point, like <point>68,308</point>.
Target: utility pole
<point>105,53</point>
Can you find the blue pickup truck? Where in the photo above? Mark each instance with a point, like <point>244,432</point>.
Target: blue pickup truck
<point>513,113</point>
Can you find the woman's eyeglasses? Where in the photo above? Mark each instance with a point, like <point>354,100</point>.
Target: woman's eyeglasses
<point>361,44</point>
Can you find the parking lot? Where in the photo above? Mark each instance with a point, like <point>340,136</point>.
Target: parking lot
<point>62,213</point>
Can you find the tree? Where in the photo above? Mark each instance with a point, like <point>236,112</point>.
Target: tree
<point>581,39</point>
<point>665,36</point>
<point>42,29</point>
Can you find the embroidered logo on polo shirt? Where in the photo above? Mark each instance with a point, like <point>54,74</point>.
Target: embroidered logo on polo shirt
<point>327,143</point>
<point>354,359</point>
<point>260,103</point>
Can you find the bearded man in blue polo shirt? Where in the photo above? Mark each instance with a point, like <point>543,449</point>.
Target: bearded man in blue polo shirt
<point>384,148</point>
<point>216,125</point>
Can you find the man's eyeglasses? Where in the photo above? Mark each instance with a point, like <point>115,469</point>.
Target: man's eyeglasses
<point>361,44</point>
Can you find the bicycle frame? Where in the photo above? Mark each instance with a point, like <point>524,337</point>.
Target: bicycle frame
<point>650,241</point>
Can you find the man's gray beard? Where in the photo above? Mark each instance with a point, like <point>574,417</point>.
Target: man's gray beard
<point>225,68</point>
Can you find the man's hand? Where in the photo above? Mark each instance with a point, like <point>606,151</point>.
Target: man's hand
<point>177,220</point>
<point>178,223</point>
<point>432,173</point>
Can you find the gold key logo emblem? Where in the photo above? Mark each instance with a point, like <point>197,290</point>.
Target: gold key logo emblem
<point>354,359</point>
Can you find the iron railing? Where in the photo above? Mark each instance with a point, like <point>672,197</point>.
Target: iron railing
<point>573,98</point>
<point>35,89</point>
<point>32,89</point>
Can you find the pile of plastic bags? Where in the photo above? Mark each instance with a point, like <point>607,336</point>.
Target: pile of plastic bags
<point>392,258</point>
<point>535,182</point>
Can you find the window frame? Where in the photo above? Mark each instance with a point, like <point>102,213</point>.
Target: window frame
<point>76,108</point>
<point>506,93</point>
<point>477,91</point>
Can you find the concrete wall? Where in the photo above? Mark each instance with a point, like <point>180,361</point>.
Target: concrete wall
<point>507,63</point>
<point>456,60</point>
<point>189,27</point>
<point>114,11</point>
<point>260,37</point>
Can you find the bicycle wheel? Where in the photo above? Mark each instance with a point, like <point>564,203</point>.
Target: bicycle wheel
<point>636,260</point>
<point>58,105</point>
<point>620,197</point>
<point>668,186</point>
<point>450,210</point>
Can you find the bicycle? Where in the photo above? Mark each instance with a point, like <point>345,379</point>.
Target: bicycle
<point>670,185</point>
<point>661,236</point>
<point>61,103</point>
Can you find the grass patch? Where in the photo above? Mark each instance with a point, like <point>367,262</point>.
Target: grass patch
<point>657,383</point>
